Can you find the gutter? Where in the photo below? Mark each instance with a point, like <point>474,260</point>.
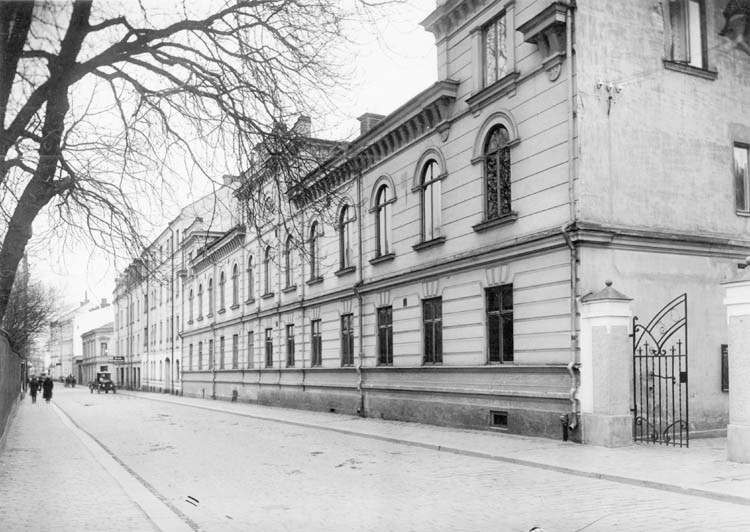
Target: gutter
<point>571,420</point>
<point>360,340</point>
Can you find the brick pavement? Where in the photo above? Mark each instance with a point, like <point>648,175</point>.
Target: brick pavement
<point>701,470</point>
<point>51,481</point>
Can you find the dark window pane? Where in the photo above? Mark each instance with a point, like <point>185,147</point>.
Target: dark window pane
<point>493,340</point>
<point>508,337</point>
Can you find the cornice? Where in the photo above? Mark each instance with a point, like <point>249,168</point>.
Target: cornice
<point>219,248</point>
<point>450,15</point>
<point>428,112</point>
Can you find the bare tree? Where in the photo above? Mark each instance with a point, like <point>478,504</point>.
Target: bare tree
<point>101,104</point>
<point>28,311</point>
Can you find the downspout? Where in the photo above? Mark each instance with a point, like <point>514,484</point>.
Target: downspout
<point>571,420</point>
<point>360,275</point>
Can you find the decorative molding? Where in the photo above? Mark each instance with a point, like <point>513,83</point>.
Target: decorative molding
<point>505,86</point>
<point>383,258</point>
<point>345,271</point>
<point>314,281</point>
<point>346,306</point>
<point>547,30</point>
<point>384,298</point>
<point>497,275</point>
<point>429,243</point>
<point>451,15</point>
<point>431,288</point>
<point>495,222</point>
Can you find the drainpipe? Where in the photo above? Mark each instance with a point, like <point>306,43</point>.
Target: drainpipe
<point>360,275</point>
<point>570,421</point>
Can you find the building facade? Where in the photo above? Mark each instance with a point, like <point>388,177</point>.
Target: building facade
<point>564,146</point>
<point>97,354</point>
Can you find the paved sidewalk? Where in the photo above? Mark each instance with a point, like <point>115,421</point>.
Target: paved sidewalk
<point>47,472</point>
<point>701,470</point>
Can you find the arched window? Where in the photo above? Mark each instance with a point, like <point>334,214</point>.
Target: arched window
<point>383,224</point>
<point>200,301</point>
<point>289,262</point>
<point>222,283</point>
<point>430,201</point>
<point>268,271</point>
<point>190,306</point>
<point>235,284</point>
<point>250,278</point>
<point>314,251</point>
<point>497,172</point>
<point>345,238</point>
<point>210,296</point>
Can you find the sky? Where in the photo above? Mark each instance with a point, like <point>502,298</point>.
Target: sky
<point>391,60</point>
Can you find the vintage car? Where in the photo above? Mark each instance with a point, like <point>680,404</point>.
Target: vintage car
<point>102,383</point>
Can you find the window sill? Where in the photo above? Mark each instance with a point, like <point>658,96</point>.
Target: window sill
<point>235,306</point>
<point>316,280</point>
<point>710,75</point>
<point>502,87</point>
<point>267,295</point>
<point>199,318</point>
<point>345,271</point>
<point>221,311</point>
<point>291,288</point>
<point>250,301</point>
<point>742,213</point>
<point>190,322</point>
<point>496,222</point>
<point>210,315</point>
<point>429,243</point>
<point>383,258</point>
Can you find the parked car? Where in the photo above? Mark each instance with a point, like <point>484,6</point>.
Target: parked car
<point>102,383</point>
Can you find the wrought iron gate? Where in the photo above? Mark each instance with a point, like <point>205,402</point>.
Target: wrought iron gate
<point>660,380</point>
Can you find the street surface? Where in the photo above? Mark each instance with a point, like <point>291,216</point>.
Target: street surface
<point>220,471</point>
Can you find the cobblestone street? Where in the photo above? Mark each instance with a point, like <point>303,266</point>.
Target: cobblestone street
<point>223,470</point>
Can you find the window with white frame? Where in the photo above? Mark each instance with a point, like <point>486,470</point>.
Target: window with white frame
<point>742,178</point>
<point>268,271</point>
<point>383,223</point>
<point>314,244</point>
<point>430,183</point>
<point>200,301</point>
<point>222,287</point>
<point>497,173</point>
<point>495,52</point>
<point>250,278</point>
<point>235,285</point>
<point>210,296</point>
<point>345,238</point>
<point>687,32</point>
<point>289,262</point>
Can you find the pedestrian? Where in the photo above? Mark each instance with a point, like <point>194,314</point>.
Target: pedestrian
<point>33,388</point>
<point>47,386</point>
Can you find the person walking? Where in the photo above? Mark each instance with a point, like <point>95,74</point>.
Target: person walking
<point>47,386</point>
<point>33,388</point>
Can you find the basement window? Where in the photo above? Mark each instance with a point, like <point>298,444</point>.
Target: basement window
<point>498,419</point>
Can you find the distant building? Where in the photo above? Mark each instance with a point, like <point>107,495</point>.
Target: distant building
<point>96,356</point>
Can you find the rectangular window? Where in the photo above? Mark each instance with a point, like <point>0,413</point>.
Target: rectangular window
<point>210,354</point>
<point>724,367</point>
<point>269,348</point>
<point>687,28</point>
<point>221,352</point>
<point>200,356</point>
<point>317,343</point>
<point>742,178</point>
<point>499,301</point>
<point>495,53</point>
<point>250,349</point>
<point>190,356</point>
<point>235,351</point>
<point>432,324</point>
<point>103,348</point>
<point>385,335</point>
<point>290,346</point>
<point>347,339</point>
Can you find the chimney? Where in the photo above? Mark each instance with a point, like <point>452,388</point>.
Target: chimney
<point>368,121</point>
<point>303,126</point>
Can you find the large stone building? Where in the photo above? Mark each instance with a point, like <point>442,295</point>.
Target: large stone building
<point>564,147</point>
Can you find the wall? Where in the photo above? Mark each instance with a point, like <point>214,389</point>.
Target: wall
<point>11,382</point>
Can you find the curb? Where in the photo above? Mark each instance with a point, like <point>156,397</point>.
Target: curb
<point>662,486</point>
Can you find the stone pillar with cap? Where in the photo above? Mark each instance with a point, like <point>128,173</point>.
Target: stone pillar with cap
<point>737,303</point>
<point>606,368</point>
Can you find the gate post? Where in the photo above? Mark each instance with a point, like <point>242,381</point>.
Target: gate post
<point>738,319</point>
<point>606,368</point>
